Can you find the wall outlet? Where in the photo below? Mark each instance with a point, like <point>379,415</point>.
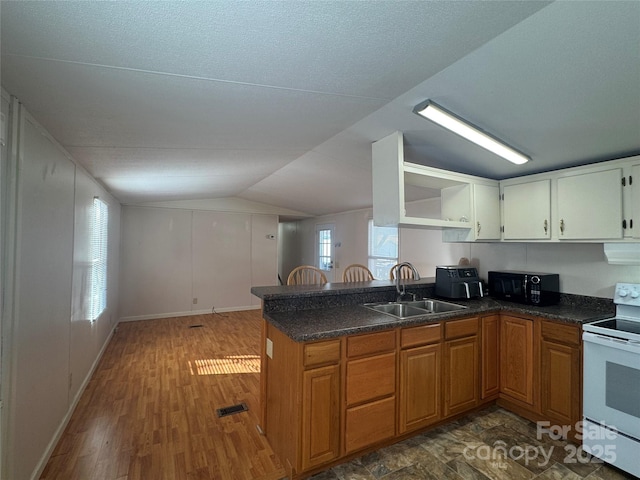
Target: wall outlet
<point>195,300</point>
<point>269,348</point>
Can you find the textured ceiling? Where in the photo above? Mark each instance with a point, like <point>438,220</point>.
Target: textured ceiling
<point>278,102</point>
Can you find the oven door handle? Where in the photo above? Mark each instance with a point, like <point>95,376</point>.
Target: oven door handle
<point>611,342</point>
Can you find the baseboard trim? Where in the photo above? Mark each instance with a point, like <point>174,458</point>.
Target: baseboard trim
<point>187,314</point>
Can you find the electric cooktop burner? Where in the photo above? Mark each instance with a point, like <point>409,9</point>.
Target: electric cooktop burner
<point>619,324</point>
<point>626,323</point>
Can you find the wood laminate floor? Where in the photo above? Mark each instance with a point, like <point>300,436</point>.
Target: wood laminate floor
<point>149,413</point>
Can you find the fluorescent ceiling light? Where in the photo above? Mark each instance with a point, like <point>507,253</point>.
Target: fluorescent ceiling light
<point>448,120</point>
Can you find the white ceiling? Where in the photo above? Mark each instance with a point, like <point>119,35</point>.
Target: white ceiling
<point>278,102</point>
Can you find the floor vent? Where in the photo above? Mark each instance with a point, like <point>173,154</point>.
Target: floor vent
<point>223,412</point>
<point>196,326</point>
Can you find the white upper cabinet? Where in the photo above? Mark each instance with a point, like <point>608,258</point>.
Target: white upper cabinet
<point>590,206</point>
<point>526,211</point>
<point>591,203</point>
<point>482,211</point>
<point>399,186</point>
<point>632,218</point>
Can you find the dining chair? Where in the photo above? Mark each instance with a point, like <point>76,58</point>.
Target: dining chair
<point>405,272</point>
<point>357,273</point>
<point>306,275</point>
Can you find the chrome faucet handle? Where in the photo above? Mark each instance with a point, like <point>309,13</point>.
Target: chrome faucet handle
<point>401,296</point>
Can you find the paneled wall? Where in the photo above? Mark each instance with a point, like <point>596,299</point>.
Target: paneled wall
<point>50,346</point>
<point>582,267</point>
<point>180,261</point>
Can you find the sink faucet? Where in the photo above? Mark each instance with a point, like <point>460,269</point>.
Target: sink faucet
<point>401,291</point>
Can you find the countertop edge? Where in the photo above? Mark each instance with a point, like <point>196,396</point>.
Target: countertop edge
<point>325,323</point>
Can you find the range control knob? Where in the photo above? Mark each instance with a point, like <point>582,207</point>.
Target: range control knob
<point>623,292</point>
<point>635,294</point>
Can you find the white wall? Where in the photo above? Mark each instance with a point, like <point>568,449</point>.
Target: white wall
<point>172,256</point>
<point>350,232</point>
<point>4,174</point>
<point>288,249</point>
<point>49,345</point>
<point>582,267</point>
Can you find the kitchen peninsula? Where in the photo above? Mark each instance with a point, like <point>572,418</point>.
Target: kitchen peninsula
<point>338,379</point>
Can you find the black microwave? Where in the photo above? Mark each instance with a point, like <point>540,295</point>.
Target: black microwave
<point>525,287</point>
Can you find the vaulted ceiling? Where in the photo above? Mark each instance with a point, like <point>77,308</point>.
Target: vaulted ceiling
<point>278,102</point>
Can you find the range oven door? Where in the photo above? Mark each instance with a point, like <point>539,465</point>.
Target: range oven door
<point>611,400</point>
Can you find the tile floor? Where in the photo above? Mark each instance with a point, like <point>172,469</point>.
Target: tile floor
<point>491,444</point>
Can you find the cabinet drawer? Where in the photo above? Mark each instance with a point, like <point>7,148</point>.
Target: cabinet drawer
<point>561,332</point>
<point>321,353</point>
<point>461,328</point>
<point>370,378</point>
<point>422,335</point>
<point>371,343</point>
<point>370,423</point>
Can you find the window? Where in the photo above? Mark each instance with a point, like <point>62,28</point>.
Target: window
<point>325,257</point>
<point>383,249</point>
<point>99,235</point>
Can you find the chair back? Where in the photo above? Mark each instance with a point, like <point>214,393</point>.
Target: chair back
<point>357,273</point>
<point>306,275</point>
<point>405,272</point>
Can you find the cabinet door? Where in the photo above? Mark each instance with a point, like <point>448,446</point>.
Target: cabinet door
<point>590,206</point>
<point>527,211</point>
<point>419,387</point>
<point>516,358</point>
<point>370,378</point>
<point>460,375</point>
<point>320,416</point>
<point>560,379</point>
<point>370,423</point>
<point>490,374</point>
<point>487,212</point>
<point>635,202</point>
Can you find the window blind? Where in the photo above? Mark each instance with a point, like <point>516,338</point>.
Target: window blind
<point>99,237</point>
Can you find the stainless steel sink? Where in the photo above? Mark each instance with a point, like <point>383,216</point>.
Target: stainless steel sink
<point>413,309</point>
<point>436,306</point>
<point>400,310</point>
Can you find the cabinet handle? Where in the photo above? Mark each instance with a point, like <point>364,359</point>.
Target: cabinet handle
<point>562,226</point>
<point>478,228</point>
<point>546,226</point>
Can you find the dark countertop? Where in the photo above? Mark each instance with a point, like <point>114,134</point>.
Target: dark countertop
<point>325,322</point>
<point>337,288</point>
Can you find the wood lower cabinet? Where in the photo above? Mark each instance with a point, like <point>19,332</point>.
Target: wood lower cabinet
<point>369,424</point>
<point>325,400</point>
<point>301,392</point>
<point>490,356</point>
<point>320,416</point>
<point>420,366</point>
<point>517,358</point>
<point>370,378</point>
<point>461,366</point>
<point>370,387</point>
<point>561,374</point>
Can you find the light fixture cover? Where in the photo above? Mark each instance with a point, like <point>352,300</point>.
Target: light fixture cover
<point>434,112</point>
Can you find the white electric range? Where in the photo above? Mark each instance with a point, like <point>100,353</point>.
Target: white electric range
<point>611,392</point>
